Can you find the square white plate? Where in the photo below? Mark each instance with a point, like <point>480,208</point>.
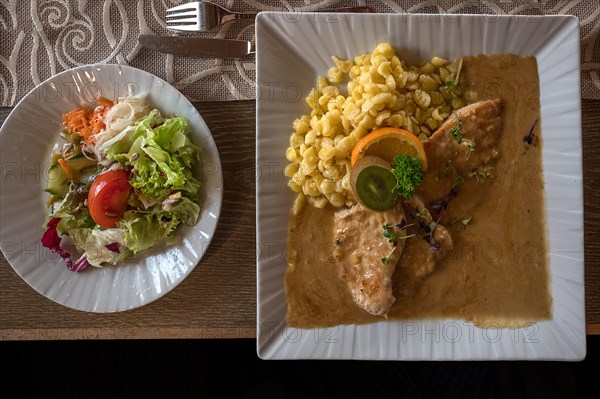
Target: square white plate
<point>292,50</point>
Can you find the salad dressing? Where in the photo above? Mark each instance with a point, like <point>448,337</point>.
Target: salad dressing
<point>497,274</point>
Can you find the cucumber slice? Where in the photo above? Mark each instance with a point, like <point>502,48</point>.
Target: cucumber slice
<point>78,162</point>
<point>58,182</point>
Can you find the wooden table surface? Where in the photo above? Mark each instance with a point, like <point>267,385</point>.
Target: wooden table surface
<point>218,299</point>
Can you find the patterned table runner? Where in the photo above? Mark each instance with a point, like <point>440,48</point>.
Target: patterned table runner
<point>40,38</point>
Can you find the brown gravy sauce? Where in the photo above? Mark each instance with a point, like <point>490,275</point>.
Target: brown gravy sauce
<point>497,274</point>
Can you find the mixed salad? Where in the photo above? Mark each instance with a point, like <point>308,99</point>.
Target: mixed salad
<point>120,183</point>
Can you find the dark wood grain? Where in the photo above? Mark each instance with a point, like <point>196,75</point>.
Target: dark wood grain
<point>218,299</point>
<point>591,194</point>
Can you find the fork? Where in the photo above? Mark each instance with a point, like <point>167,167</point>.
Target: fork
<point>203,15</point>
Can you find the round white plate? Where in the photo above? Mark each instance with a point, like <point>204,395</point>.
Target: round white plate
<point>26,139</point>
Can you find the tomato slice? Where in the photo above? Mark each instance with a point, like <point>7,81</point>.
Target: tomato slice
<point>107,199</point>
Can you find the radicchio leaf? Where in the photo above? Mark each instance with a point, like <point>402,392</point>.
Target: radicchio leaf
<point>114,247</point>
<point>51,240</point>
<point>80,264</point>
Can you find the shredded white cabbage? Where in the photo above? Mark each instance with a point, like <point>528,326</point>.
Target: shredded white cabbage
<point>88,148</point>
<point>110,141</point>
<point>124,114</point>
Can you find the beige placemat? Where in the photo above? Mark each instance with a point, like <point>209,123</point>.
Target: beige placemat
<point>40,38</point>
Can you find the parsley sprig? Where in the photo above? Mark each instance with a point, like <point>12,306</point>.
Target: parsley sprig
<point>408,173</point>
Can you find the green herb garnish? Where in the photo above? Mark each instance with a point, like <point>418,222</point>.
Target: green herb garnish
<point>451,84</point>
<point>392,237</point>
<point>408,173</point>
<point>456,131</point>
<point>446,167</point>
<point>388,233</point>
<point>463,221</point>
<point>458,180</point>
<point>479,175</point>
<point>386,259</point>
<point>470,145</point>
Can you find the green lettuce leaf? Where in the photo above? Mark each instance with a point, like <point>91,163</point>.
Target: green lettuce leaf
<point>94,243</point>
<point>76,220</point>
<point>171,134</point>
<point>170,167</point>
<point>186,211</point>
<point>172,137</point>
<point>191,186</point>
<point>144,229</point>
<point>72,212</point>
<point>160,157</point>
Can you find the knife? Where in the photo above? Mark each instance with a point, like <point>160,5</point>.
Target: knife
<point>197,46</point>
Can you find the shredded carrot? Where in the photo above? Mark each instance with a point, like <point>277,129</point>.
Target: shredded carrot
<point>88,123</point>
<point>105,102</point>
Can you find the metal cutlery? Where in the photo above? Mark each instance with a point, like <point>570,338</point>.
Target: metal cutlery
<point>199,16</point>
<point>197,46</point>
